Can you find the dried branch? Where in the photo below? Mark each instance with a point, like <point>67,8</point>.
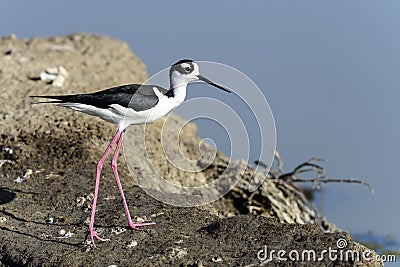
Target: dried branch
<point>321,176</point>
<point>279,161</point>
<point>281,198</point>
<point>351,180</point>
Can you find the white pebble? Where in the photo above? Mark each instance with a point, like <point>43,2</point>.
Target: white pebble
<point>62,71</point>
<point>53,70</point>
<point>8,150</point>
<point>133,244</point>
<point>58,81</point>
<point>139,219</point>
<point>44,76</point>
<point>62,232</point>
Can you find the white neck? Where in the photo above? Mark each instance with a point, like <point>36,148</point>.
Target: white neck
<point>180,93</point>
<point>178,86</point>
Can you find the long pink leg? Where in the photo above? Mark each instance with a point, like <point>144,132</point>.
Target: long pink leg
<point>96,189</point>
<point>121,192</point>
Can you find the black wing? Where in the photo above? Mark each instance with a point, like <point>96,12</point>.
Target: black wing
<point>136,96</point>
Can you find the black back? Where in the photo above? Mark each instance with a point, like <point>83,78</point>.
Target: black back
<point>136,96</point>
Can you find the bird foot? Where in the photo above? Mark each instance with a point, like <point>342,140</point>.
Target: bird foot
<point>137,226</point>
<point>93,235</point>
<point>134,226</point>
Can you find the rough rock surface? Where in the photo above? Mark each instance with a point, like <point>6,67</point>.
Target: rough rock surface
<point>54,152</point>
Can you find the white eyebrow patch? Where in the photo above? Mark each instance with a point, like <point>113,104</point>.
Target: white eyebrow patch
<point>185,65</point>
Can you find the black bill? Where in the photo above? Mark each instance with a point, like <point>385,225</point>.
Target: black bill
<point>204,79</point>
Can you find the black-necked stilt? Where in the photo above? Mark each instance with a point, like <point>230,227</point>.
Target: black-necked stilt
<point>131,104</point>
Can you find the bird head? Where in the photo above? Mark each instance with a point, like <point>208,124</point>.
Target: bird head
<point>185,71</point>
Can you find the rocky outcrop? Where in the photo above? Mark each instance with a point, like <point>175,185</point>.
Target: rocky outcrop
<point>53,152</point>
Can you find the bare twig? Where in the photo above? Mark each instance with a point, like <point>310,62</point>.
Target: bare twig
<point>351,180</point>
<point>312,167</point>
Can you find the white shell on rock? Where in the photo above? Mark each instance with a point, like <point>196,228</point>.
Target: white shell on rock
<point>54,75</point>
